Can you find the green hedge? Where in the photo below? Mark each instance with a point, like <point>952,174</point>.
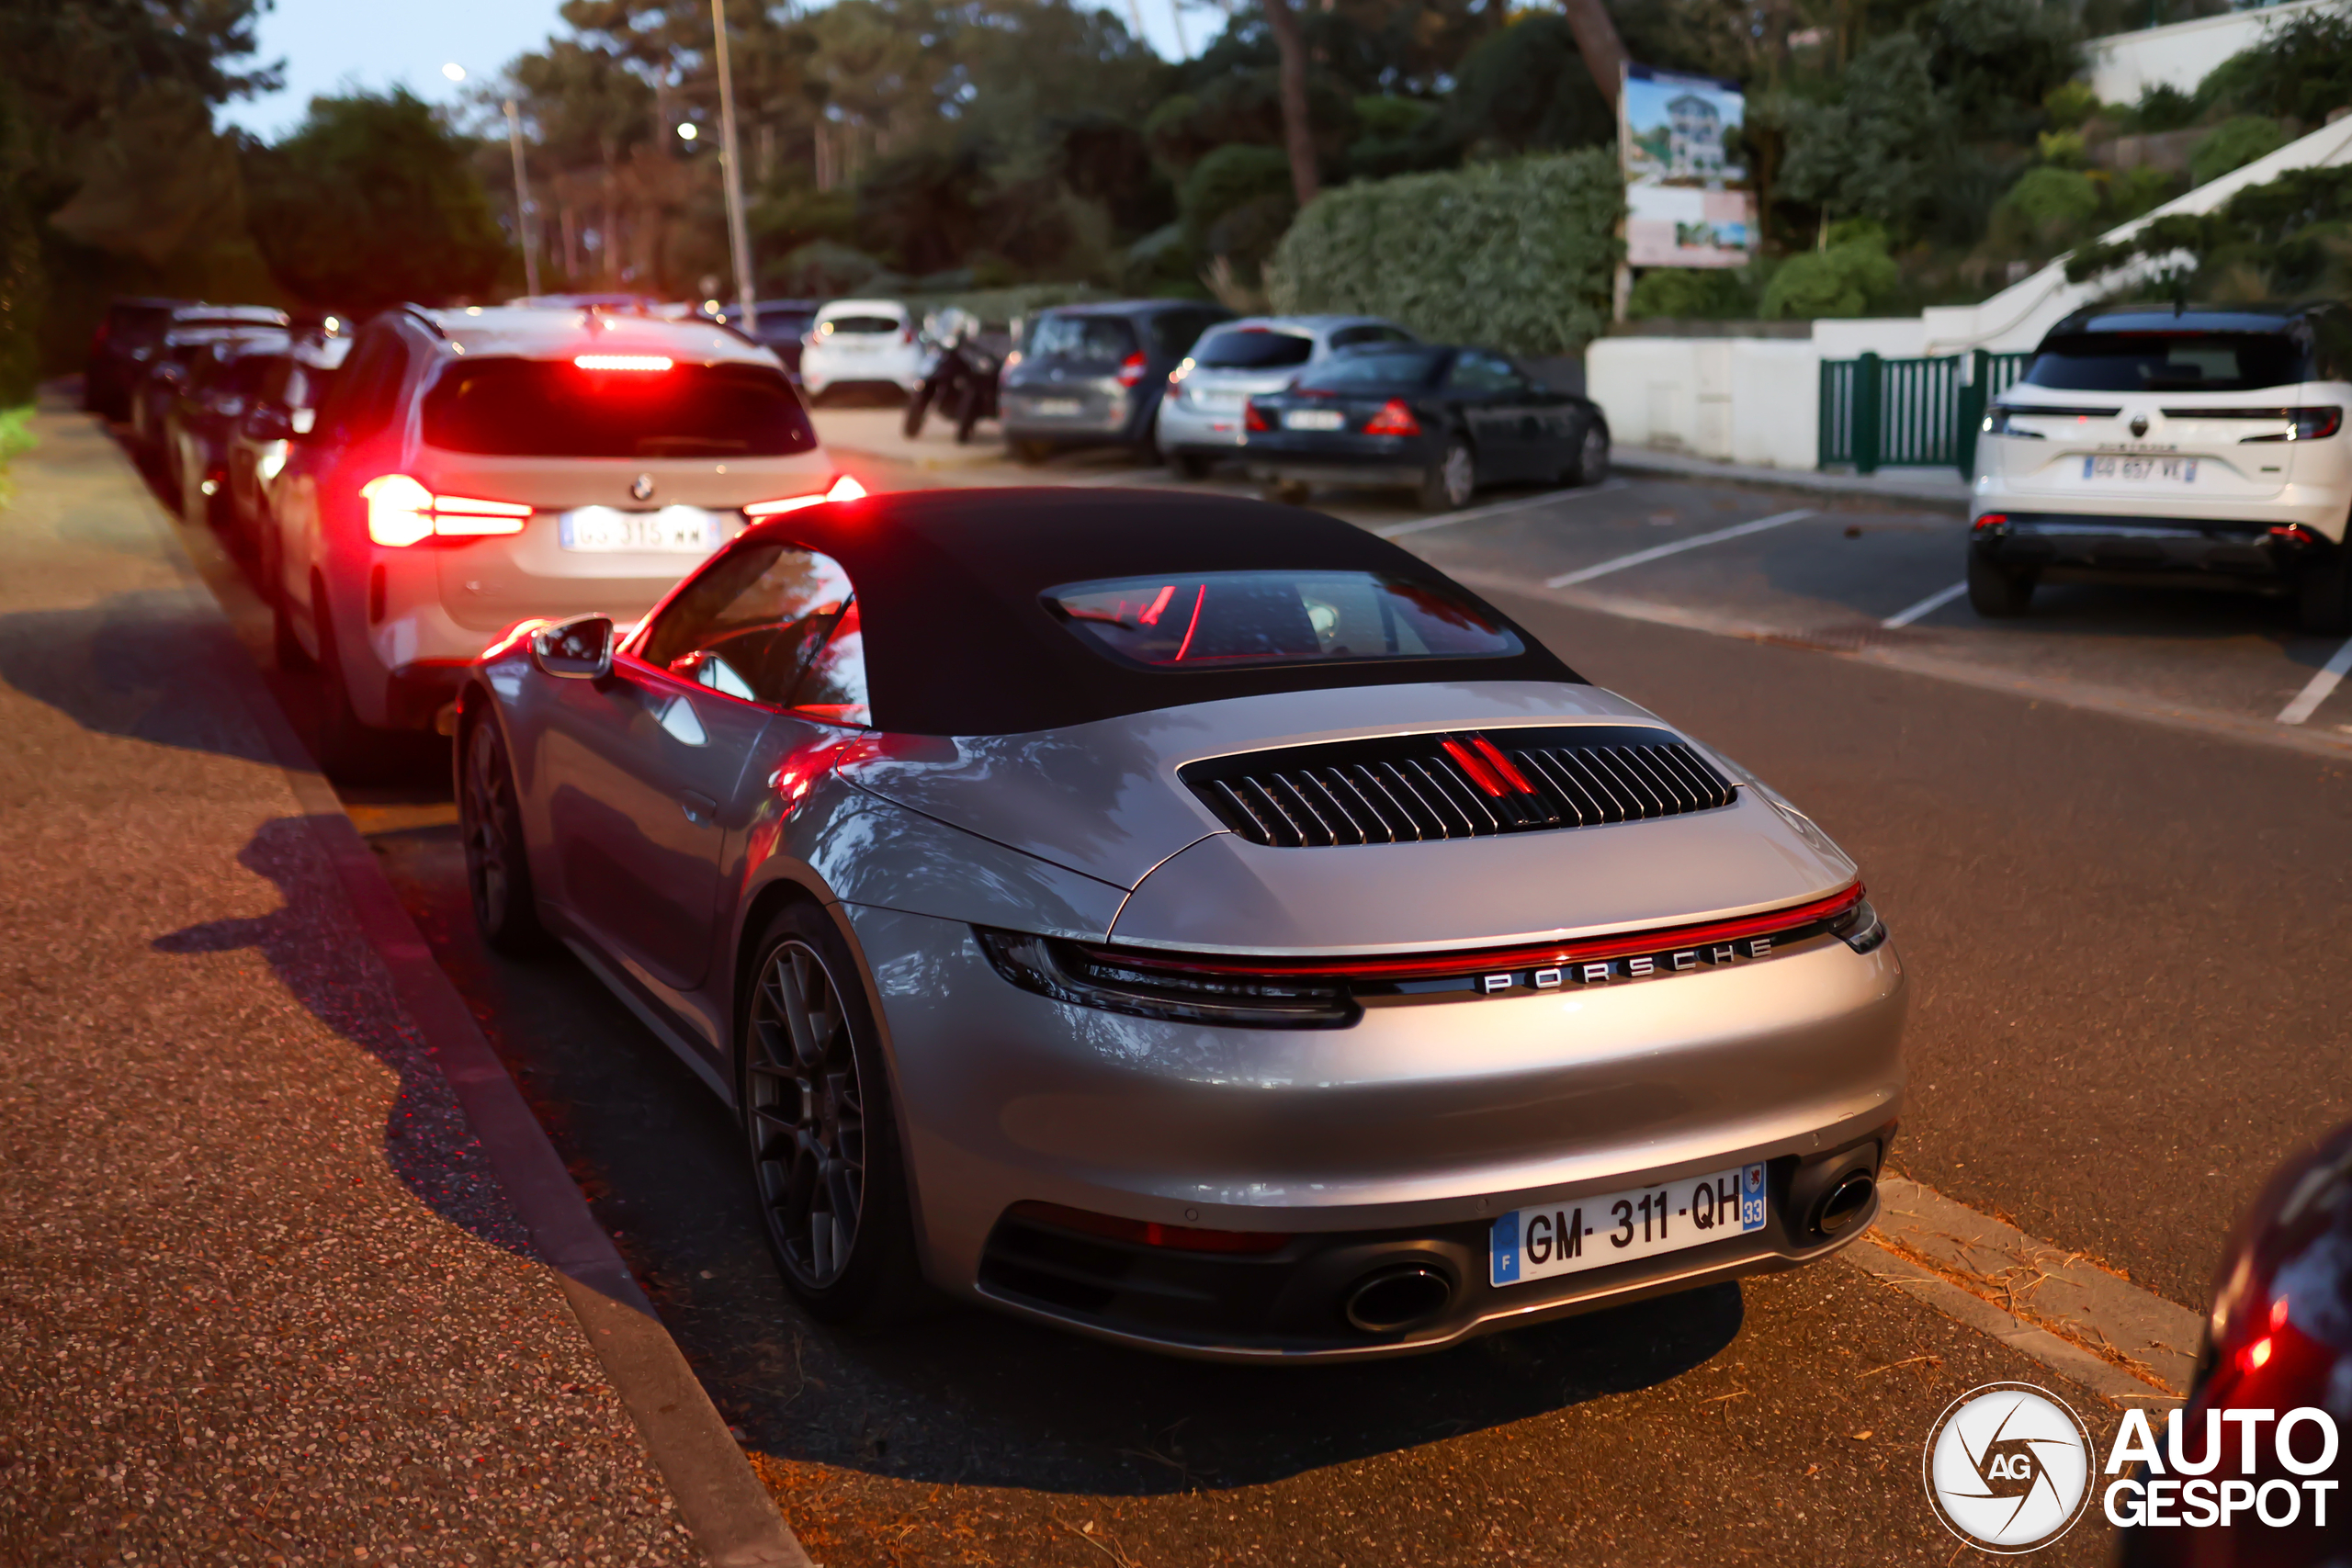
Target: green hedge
<point>1518,255</point>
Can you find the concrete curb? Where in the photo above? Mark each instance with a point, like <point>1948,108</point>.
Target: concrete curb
<point>1910,485</point>
<point>723,1501</point>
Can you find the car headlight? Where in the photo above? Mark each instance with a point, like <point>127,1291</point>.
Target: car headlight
<point>1070,972</point>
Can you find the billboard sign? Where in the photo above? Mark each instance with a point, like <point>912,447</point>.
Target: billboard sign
<point>1685,204</point>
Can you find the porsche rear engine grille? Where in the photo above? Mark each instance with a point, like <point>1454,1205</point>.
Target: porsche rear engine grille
<point>1403,789</point>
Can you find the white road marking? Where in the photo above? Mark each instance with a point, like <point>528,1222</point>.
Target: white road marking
<point>2307,700</point>
<point>1661,552</point>
<point>1927,606</point>
<point>1398,530</point>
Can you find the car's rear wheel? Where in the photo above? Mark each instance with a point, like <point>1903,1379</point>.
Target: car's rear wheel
<point>818,1120</point>
<point>1452,479</point>
<point>490,824</point>
<point>1591,464</point>
<point>351,750</point>
<point>283,640</point>
<point>1998,592</point>
<point>2324,596</point>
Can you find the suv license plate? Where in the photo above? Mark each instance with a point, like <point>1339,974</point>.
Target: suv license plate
<point>674,530</point>
<point>2165,470</point>
<point>1591,1232</point>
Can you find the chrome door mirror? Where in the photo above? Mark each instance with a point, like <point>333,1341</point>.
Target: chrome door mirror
<point>578,650</point>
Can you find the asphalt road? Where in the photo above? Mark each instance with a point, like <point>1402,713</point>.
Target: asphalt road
<point>2127,988</point>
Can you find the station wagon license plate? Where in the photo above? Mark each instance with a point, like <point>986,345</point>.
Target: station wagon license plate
<point>1056,408</point>
<point>2173,470</point>
<point>675,530</point>
<point>1577,1234</point>
<point>1314,419</point>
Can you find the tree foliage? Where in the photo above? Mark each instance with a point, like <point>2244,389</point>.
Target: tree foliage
<point>370,201</point>
<point>1518,253</point>
<point>2288,238</point>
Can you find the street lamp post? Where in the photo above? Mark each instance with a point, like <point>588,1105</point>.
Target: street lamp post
<point>738,237</point>
<point>524,228</point>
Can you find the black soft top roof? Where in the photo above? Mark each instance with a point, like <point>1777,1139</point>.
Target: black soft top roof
<point>958,642</point>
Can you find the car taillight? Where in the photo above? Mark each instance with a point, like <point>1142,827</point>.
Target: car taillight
<point>843,487</point>
<point>402,512</point>
<point>908,337</point>
<point>1131,370</point>
<point>1394,419</point>
<point>640,362</point>
<point>1254,418</point>
<point>1991,520</point>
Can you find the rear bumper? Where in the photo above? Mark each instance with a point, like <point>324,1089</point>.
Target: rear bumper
<point>2254,553</point>
<point>1336,458</point>
<point>1289,470</point>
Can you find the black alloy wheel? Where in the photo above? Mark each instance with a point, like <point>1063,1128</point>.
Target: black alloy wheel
<point>489,823</point>
<point>817,1116</point>
<point>1996,591</point>
<point>1451,478</point>
<point>1591,466</point>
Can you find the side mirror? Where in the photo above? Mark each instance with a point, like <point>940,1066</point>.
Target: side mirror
<point>578,650</point>
<point>267,422</point>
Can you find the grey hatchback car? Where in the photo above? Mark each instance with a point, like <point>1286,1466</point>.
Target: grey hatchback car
<point>1093,375</point>
<point>1190,921</point>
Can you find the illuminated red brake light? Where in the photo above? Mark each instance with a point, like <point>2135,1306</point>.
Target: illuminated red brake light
<point>402,512</point>
<point>1254,418</point>
<point>1131,370</point>
<point>628,362</point>
<point>1394,419</point>
<point>1472,763</point>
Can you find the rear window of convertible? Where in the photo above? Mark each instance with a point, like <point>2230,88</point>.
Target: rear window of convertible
<point>535,408</point>
<point>1221,619</point>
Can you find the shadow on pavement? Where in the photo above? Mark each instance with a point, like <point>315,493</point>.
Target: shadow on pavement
<point>137,665</point>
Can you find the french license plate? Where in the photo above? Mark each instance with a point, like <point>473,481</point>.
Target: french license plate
<point>1591,1232</point>
<point>677,530</point>
<point>1219,402</point>
<point>1058,408</point>
<point>2172,470</point>
<point>1314,419</point>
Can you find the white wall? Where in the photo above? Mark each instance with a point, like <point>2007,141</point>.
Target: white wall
<point>2124,65</point>
<point>1735,399</point>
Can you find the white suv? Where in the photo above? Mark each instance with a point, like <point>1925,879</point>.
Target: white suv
<point>474,469</point>
<point>863,342</point>
<point>2149,442</point>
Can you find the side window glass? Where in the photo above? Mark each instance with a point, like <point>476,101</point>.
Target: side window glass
<point>364,393</point>
<point>772,623</point>
<point>1482,373</point>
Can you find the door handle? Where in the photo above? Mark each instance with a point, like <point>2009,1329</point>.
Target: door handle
<point>700,809</point>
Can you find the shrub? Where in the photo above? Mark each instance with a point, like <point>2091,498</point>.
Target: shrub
<point>2164,107</point>
<point>2051,198</point>
<point>1691,294</point>
<point>1519,254</point>
<point>1845,279</point>
<point>2138,190</point>
<point>2234,145</point>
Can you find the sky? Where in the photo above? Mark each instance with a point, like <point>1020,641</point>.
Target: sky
<point>329,44</point>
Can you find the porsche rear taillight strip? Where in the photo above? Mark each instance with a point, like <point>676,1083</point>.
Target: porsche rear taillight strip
<point>1438,965</point>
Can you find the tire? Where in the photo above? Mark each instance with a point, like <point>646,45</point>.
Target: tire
<point>967,413</point>
<point>283,642</point>
<point>1449,483</point>
<point>1031,452</point>
<point>498,867</point>
<point>1998,593</point>
<point>820,1129</point>
<point>2324,596</point>
<point>1188,465</point>
<point>351,750</point>
<point>1591,464</point>
<point>917,405</point>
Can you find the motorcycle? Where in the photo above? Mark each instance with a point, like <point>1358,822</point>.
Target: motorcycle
<point>961,386</point>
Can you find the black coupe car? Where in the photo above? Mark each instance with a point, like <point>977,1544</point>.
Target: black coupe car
<point>1444,420</point>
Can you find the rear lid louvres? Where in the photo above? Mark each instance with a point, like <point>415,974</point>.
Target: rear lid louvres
<point>1405,789</point>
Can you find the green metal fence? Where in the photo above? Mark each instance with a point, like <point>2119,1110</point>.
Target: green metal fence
<point>1880,412</point>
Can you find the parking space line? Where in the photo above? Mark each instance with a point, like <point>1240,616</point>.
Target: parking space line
<point>1927,606</point>
<point>1661,552</point>
<point>1398,530</point>
<point>2307,700</point>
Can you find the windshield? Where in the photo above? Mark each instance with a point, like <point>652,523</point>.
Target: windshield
<point>1375,367</point>
<point>1081,337</point>
<point>531,408</point>
<point>2169,362</point>
<point>1220,619</point>
<point>1252,348</point>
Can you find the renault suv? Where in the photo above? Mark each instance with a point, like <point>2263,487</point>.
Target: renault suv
<point>2149,443</point>
<point>472,470</point>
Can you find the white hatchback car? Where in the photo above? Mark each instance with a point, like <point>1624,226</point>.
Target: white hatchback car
<point>474,469</point>
<point>2150,444</point>
<point>1201,418</point>
<point>863,342</point>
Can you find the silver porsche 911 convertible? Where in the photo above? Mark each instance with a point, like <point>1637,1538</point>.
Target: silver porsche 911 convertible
<point>1188,921</point>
